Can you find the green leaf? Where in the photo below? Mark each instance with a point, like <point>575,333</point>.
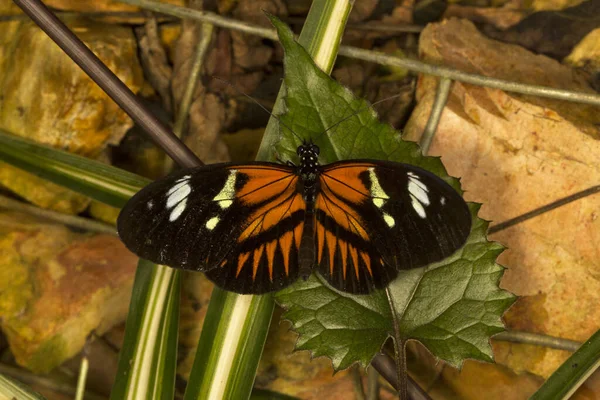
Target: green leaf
<point>453,307</point>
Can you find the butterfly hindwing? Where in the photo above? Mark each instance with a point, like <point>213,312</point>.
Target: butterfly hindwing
<point>374,218</point>
<point>241,224</point>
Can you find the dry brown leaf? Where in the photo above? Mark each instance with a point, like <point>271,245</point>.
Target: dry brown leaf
<point>553,33</point>
<point>515,153</point>
<point>47,98</point>
<point>587,52</point>
<point>154,59</point>
<point>503,17</point>
<point>57,287</point>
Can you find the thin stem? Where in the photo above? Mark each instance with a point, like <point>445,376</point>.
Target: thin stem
<point>83,371</point>
<point>538,340</point>
<point>375,56</point>
<point>543,209</point>
<point>206,33</point>
<point>441,97</point>
<point>359,390</point>
<point>385,365</point>
<point>89,14</point>
<point>70,220</point>
<point>108,81</point>
<point>186,100</point>
<point>399,351</point>
<point>373,383</point>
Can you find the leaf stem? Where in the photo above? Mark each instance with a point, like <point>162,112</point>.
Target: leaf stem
<point>373,383</point>
<point>83,371</point>
<point>359,390</point>
<point>538,340</point>
<point>376,57</point>
<point>399,351</point>
<point>206,34</point>
<point>441,97</point>
<point>543,209</point>
<point>70,220</point>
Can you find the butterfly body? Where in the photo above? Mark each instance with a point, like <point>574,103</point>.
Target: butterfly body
<point>258,227</point>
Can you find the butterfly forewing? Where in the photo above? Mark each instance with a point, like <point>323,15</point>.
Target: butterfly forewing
<point>241,224</point>
<point>374,218</point>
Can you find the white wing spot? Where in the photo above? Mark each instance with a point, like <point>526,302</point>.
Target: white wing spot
<point>418,206</point>
<point>180,193</point>
<point>389,220</point>
<point>176,187</point>
<point>150,204</point>
<point>418,191</point>
<point>227,194</point>
<point>211,223</point>
<point>177,211</point>
<point>379,196</point>
<point>443,200</point>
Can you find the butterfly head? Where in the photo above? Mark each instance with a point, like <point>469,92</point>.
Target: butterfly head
<point>309,159</point>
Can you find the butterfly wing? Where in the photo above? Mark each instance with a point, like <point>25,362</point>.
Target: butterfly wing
<point>240,224</point>
<point>373,218</point>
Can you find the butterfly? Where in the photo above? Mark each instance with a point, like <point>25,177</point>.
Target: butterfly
<point>258,227</point>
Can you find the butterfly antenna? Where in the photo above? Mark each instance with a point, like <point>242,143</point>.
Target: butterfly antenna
<point>359,111</point>
<point>258,104</point>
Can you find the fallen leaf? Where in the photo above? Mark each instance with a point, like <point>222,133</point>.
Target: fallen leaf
<point>553,33</point>
<point>48,98</point>
<point>516,153</point>
<point>59,287</point>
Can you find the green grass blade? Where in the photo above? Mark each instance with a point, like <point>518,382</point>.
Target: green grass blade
<point>223,366</point>
<point>572,373</point>
<point>12,389</point>
<point>99,181</point>
<point>147,361</point>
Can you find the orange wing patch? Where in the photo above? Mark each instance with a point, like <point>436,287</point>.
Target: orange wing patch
<point>342,192</point>
<point>273,193</point>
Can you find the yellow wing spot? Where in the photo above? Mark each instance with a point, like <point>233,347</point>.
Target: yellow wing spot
<point>223,263</point>
<point>241,261</point>
<point>354,256</point>
<point>271,247</point>
<point>256,261</point>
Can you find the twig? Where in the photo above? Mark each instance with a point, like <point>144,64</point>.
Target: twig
<point>206,33</point>
<point>359,390</point>
<point>375,26</point>
<point>538,340</point>
<point>385,365</point>
<point>83,371</point>
<point>108,81</point>
<point>70,220</point>
<point>89,14</point>
<point>441,97</point>
<point>373,383</point>
<point>544,209</point>
<point>374,56</point>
